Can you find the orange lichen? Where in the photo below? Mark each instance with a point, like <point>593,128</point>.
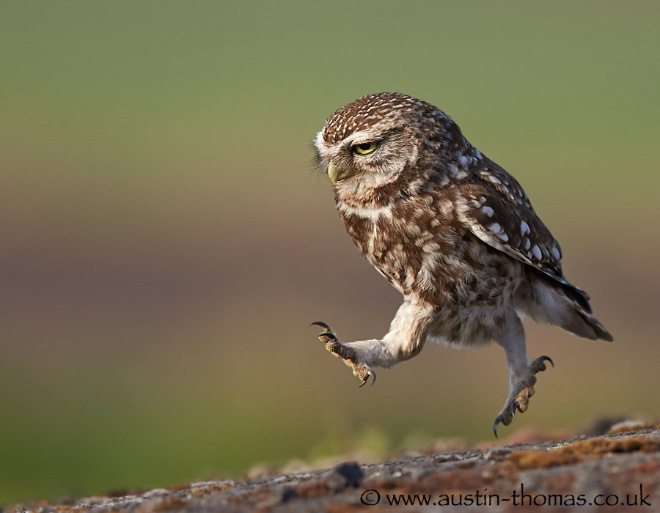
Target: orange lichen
<point>543,459</point>
<point>580,451</point>
<point>599,446</point>
<point>630,425</point>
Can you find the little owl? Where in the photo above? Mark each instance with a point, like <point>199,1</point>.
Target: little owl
<point>453,232</point>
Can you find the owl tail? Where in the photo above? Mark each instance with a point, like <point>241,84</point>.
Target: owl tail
<point>566,307</point>
<point>589,327</point>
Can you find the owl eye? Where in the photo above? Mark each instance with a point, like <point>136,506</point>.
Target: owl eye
<point>365,148</point>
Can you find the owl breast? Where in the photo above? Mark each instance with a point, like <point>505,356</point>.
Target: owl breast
<point>423,250</point>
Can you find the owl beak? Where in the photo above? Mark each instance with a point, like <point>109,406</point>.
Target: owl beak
<point>337,174</point>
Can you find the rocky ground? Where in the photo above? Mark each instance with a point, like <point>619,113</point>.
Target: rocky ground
<point>617,471</point>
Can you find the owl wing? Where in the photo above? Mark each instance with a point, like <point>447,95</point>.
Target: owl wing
<point>499,213</point>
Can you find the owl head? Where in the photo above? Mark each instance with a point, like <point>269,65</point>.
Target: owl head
<point>383,141</point>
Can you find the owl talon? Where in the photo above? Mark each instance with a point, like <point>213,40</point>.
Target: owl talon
<point>373,380</point>
<point>346,353</point>
<point>507,415</point>
<point>520,401</point>
<point>327,335</point>
<point>498,421</point>
<point>538,365</point>
<point>322,324</point>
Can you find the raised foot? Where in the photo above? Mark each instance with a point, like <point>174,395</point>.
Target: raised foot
<point>344,352</point>
<point>519,398</point>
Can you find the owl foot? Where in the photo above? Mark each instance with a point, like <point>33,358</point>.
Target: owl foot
<point>519,398</point>
<point>344,352</point>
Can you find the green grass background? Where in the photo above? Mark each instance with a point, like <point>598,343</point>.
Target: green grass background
<point>165,240</point>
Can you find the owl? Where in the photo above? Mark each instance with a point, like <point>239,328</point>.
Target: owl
<point>453,232</point>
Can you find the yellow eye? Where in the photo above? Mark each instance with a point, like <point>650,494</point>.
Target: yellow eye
<point>365,148</point>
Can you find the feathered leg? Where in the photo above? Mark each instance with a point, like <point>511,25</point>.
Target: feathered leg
<point>404,340</point>
<point>521,373</point>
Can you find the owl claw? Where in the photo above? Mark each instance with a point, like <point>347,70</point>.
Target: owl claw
<point>327,334</point>
<point>346,353</point>
<point>373,379</point>
<point>520,401</point>
<point>507,417</point>
<point>322,324</point>
<point>538,365</point>
<point>498,420</point>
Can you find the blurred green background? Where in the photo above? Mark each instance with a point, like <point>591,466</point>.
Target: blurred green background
<point>166,241</point>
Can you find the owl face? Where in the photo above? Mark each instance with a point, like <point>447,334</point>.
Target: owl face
<point>370,157</point>
<point>377,141</point>
<point>372,141</point>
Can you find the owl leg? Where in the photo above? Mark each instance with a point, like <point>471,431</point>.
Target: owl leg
<point>404,340</point>
<point>522,374</point>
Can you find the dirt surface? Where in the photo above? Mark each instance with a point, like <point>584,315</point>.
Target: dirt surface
<point>621,471</point>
